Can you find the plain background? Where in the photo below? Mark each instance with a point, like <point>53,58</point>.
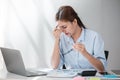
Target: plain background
<point>27,25</point>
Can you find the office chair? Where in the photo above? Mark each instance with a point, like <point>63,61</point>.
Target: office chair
<point>106,56</point>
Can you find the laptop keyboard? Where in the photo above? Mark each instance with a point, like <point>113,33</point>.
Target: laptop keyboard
<point>36,73</point>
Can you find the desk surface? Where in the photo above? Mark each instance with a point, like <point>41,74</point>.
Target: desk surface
<point>11,76</point>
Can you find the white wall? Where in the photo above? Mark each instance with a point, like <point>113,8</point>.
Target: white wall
<point>2,23</point>
<point>111,31</point>
<point>27,25</point>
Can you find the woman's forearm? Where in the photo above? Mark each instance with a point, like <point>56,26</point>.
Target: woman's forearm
<point>95,62</point>
<point>55,55</point>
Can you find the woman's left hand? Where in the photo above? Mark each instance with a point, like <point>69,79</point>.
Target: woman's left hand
<point>80,47</point>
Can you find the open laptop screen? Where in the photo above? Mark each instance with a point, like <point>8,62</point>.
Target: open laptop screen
<point>14,63</point>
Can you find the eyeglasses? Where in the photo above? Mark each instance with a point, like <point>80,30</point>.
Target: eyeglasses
<point>68,51</point>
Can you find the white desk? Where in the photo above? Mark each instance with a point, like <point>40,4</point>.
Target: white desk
<point>11,76</point>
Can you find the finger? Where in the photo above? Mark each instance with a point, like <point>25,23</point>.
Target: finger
<point>78,43</point>
<point>81,45</point>
<point>77,47</point>
<point>56,26</point>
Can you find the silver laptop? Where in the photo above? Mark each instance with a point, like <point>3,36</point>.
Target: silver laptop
<point>14,63</point>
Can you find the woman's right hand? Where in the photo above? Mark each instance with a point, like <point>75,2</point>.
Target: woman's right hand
<point>57,33</point>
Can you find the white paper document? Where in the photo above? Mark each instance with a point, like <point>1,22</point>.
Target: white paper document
<point>63,73</point>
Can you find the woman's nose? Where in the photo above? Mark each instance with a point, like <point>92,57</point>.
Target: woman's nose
<point>64,30</point>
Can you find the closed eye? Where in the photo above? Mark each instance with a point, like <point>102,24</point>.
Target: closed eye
<point>63,27</point>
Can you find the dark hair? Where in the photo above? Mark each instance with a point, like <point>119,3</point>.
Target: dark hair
<point>67,13</point>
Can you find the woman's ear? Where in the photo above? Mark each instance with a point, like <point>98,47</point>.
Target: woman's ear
<point>74,21</point>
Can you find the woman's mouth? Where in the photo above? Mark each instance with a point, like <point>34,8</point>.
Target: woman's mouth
<point>68,34</point>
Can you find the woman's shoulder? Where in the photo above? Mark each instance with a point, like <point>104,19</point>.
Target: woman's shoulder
<point>90,31</point>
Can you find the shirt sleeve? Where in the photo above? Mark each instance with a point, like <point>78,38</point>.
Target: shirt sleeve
<point>99,50</point>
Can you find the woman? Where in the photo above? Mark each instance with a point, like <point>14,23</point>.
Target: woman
<point>76,46</point>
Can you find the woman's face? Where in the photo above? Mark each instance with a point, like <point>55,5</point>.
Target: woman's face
<point>67,27</point>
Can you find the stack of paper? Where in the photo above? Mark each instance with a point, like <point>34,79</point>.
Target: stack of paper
<point>62,73</point>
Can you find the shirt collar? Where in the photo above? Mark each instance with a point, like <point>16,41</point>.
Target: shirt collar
<point>82,36</point>
<point>80,39</point>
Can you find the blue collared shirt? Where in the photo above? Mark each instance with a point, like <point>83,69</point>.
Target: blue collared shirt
<point>74,59</point>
